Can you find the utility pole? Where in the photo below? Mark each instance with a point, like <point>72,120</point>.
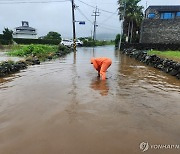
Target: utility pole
<point>95,14</point>
<point>74,28</point>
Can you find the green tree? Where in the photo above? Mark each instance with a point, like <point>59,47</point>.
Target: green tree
<point>132,14</point>
<point>7,35</point>
<point>117,39</point>
<point>53,36</point>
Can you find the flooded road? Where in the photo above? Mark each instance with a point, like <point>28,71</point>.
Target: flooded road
<point>61,107</point>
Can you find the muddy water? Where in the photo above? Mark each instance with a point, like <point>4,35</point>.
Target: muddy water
<point>61,107</point>
<point>5,57</point>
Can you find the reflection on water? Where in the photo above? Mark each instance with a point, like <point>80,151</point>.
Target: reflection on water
<point>100,85</point>
<point>5,80</point>
<point>143,75</point>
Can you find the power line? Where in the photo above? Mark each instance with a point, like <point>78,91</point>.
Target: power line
<point>108,28</point>
<point>113,28</point>
<point>28,2</point>
<point>84,15</point>
<point>94,7</point>
<point>100,25</point>
<point>109,17</point>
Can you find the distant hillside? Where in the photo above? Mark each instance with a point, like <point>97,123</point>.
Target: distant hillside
<point>106,36</point>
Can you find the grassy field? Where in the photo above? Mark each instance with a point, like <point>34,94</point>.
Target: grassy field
<point>173,55</point>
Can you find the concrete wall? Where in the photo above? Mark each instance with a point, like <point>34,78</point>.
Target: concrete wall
<point>160,31</point>
<point>26,36</point>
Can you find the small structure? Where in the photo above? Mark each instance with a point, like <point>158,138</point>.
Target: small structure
<point>25,31</point>
<point>161,25</point>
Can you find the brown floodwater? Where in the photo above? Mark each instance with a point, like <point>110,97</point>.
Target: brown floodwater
<point>61,107</point>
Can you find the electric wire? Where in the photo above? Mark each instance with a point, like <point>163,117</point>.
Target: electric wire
<point>113,28</point>
<point>28,2</point>
<point>108,28</point>
<point>84,15</point>
<point>109,17</point>
<point>95,7</point>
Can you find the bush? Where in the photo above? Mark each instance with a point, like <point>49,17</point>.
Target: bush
<point>4,42</point>
<point>62,47</point>
<point>42,52</point>
<point>117,39</point>
<point>39,51</point>
<point>149,46</point>
<point>36,41</point>
<point>92,43</point>
<point>1,36</point>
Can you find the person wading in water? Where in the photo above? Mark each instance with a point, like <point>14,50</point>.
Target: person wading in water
<point>101,64</point>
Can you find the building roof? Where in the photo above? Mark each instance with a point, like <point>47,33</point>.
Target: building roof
<point>162,8</point>
<point>25,28</point>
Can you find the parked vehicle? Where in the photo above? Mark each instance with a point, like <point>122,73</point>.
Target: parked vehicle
<point>67,42</point>
<point>79,43</point>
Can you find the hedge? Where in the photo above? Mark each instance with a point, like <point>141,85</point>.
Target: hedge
<point>148,46</point>
<point>36,41</point>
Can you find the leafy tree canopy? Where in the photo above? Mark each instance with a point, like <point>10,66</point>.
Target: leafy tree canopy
<point>131,9</point>
<point>131,13</point>
<point>53,36</point>
<point>7,34</point>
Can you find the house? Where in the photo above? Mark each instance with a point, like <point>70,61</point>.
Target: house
<point>25,31</point>
<point>161,25</point>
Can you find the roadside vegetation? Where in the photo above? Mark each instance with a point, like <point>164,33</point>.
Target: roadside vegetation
<point>39,51</point>
<point>42,52</point>
<point>89,42</point>
<point>33,55</point>
<point>97,43</point>
<point>174,55</point>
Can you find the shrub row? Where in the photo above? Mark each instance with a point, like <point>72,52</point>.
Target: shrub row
<point>30,41</point>
<point>148,46</point>
<point>36,41</point>
<point>4,42</point>
<point>168,66</point>
<point>92,43</point>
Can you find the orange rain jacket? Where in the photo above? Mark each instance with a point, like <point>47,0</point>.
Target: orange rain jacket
<point>101,64</point>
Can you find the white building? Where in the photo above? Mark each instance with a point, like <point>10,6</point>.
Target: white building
<point>25,31</point>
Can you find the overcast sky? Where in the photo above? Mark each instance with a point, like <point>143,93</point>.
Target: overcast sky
<point>56,16</point>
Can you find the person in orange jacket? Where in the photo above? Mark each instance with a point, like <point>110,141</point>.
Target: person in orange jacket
<point>101,64</point>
